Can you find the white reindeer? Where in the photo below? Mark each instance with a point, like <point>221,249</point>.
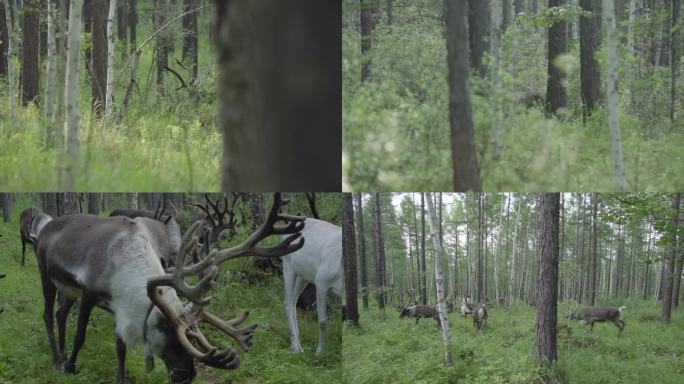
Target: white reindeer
<point>318,262</point>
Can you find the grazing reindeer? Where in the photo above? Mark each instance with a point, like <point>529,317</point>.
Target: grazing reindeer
<point>26,218</point>
<point>318,262</point>
<point>466,308</point>
<point>114,263</point>
<point>419,311</point>
<point>171,226</point>
<point>480,317</point>
<point>591,315</point>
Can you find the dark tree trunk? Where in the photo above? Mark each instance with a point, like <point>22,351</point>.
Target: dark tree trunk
<point>132,22</point>
<point>668,275</point>
<point>99,54</point>
<point>379,254</point>
<point>362,251</point>
<point>466,173</point>
<point>94,203</point>
<point>547,291</point>
<point>30,44</point>
<point>367,26</point>
<point>311,199</point>
<point>480,244</point>
<point>190,36</point>
<point>43,30</point>
<point>87,28</point>
<point>161,45</point>
<point>422,270</point>
<point>519,6</point>
<point>479,22</point>
<point>678,266</point>
<point>390,15</point>
<point>590,37</point>
<point>506,20</point>
<point>555,94</point>
<point>269,121</point>
<point>594,255</point>
<point>349,254</point>
<point>675,55</point>
<point>665,43</point>
<point>3,41</point>
<point>50,204</point>
<point>121,20</point>
<point>6,202</point>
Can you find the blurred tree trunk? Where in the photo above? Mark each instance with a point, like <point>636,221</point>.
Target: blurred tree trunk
<point>161,44</point>
<point>480,244</point>
<point>51,71</point>
<point>466,173</point>
<point>678,265</point>
<point>109,94</point>
<point>362,251</point>
<point>94,203</point>
<point>668,275</point>
<point>390,13</point>
<point>10,55</point>
<point>479,21</point>
<point>590,31</point>
<point>367,26</point>
<point>676,57</point>
<point>133,200</point>
<point>547,291</point>
<point>6,201</point>
<point>132,22</point>
<point>87,29</point>
<point>3,40</point>
<point>422,270</point>
<point>30,44</point>
<point>69,203</point>
<point>71,95</point>
<point>594,255</point>
<point>555,93</point>
<point>379,249</point>
<point>190,36</point>
<point>349,254</point>
<point>121,22</point>
<point>99,55</point>
<point>50,204</point>
<point>311,199</point>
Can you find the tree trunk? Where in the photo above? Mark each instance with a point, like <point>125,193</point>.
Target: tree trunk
<point>480,244</point>
<point>422,270</point>
<point>362,251</point>
<point>613,117</point>
<point>133,200</point>
<point>349,254</point>
<point>190,36</point>
<point>121,20</point>
<point>30,43</point>
<point>10,57</point>
<point>161,45</point>
<point>668,275</point>
<point>390,15</point>
<point>71,95</point>
<point>6,202</point>
<point>547,291</point>
<point>268,120</point>
<point>94,203</point>
<point>675,58</point>
<point>594,256</point>
<point>379,255</point>
<point>555,93</point>
<point>466,173</point>
<point>69,203</point>
<point>132,23</point>
<point>3,40</point>
<point>678,266</point>
<point>99,55</point>
<point>479,20</point>
<point>590,31</point>
<point>50,69</point>
<point>87,17</point>
<point>367,26</point>
<point>439,281</point>
<point>109,97</point>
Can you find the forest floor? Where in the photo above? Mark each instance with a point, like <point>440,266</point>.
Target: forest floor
<point>26,355</point>
<point>387,349</point>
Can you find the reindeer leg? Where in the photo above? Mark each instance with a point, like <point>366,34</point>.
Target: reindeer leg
<point>121,359</point>
<point>23,252</point>
<point>322,310</point>
<point>49,292</point>
<point>62,314</point>
<point>293,288</point>
<point>87,304</point>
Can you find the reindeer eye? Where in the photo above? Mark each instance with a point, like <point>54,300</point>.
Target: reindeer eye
<point>160,291</point>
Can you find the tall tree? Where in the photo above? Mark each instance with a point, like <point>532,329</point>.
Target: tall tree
<point>367,26</point>
<point>547,290</point>
<point>555,93</point>
<point>109,94</point>
<point>30,42</point>
<point>422,270</point>
<point>362,251</point>
<point>99,55</point>
<point>668,276</point>
<point>675,57</point>
<point>50,68</point>
<point>590,32</point>
<point>466,173</point>
<point>379,253</point>
<point>3,40</point>
<point>71,95</point>
<point>161,44</point>
<point>480,246</point>
<point>613,116</point>
<point>190,33</point>
<point>10,57</point>
<point>94,203</point>
<point>87,17</point>
<point>479,21</point>
<point>349,255</point>
<point>439,280</point>
<point>6,202</point>
<point>594,255</point>
<point>679,260</point>
<point>132,22</point>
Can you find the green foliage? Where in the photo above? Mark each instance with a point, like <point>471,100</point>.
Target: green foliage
<point>387,349</point>
<point>26,354</point>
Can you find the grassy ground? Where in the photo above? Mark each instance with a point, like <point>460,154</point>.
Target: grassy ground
<point>388,349</point>
<point>26,356</point>
<point>169,142</point>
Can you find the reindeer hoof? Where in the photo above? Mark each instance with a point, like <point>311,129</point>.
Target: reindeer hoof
<point>296,348</point>
<point>68,367</point>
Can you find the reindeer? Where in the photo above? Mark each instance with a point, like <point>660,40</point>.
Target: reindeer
<point>591,315</point>
<point>466,307</point>
<point>114,263</point>
<point>419,311</point>
<point>480,316</point>
<point>26,217</point>
<point>170,224</point>
<point>319,262</point>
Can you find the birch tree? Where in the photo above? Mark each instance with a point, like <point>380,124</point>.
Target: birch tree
<point>10,58</point>
<point>109,98</point>
<point>439,280</point>
<point>613,118</point>
<point>71,94</point>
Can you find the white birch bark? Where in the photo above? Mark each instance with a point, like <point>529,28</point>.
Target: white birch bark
<point>439,279</point>
<point>109,94</point>
<point>10,59</point>
<point>496,253</point>
<point>512,266</point>
<point>613,117</point>
<point>71,97</point>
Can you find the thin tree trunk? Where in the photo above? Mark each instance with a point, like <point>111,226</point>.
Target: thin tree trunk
<point>109,98</point>
<point>590,31</point>
<point>480,245</point>
<point>3,40</point>
<point>190,32</point>
<point>613,117</point>
<point>362,251</point>
<point>6,202</point>
<point>349,255</point>
<point>50,69</point>
<point>675,58</point>
<point>71,97</point>
<point>511,267</point>
<point>133,200</point>
<point>547,297</point>
<point>132,23</point>
<point>379,254</point>
<point>594,256</point>
<point>668,276</point>
<point>10,59</point>
<point>439,281</point>
<point>479,19</point>
<point>555,92</point>
<point>30,42</point>
<point>423,270</point>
